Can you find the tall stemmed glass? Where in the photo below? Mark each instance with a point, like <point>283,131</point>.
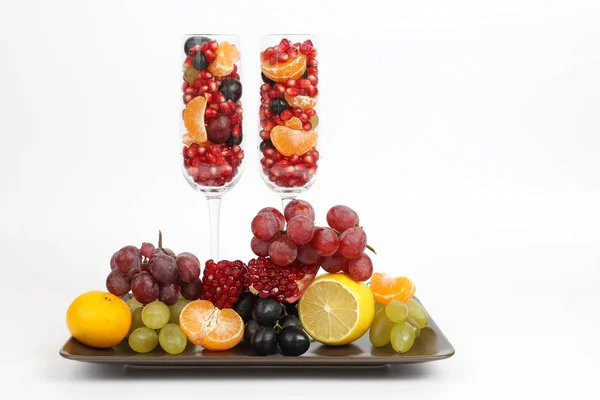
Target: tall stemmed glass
<point>289,113</point>
<point>211,133</point>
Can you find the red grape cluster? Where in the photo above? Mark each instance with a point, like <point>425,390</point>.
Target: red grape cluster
<point>154,273</point>
<point>339,247</point>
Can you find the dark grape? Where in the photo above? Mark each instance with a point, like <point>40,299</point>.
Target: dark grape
<point>334,263</point>
<point>251,327</point>
<point>245,305</point>
<point>264,341</point>
<point>263,145</point>
<point>128,260</point>
<point>169,293</point>
<point>267,80</point>
<point>144,287</point>
<point>117,283</point>
<point>194,41</point>
<point>283,251</point>
<point>291,308</point>
<point>260,247</point>
<point>278,105</point>
<point>199,61</point>
<point>300,229</point>
<point>163,268</point>
<point>235,140</point>
<point>188,267</point>
<point>147,249</point>
<point>267,311</point>
<point>193,290</point>
<point>276,213</point>
<point>293,341</point>
<point>360,269</point>
<point>218,130</point>
<point>341,218</point>
<point>231,89</point>
<point>325,242</point>
<point>307,255</point>
<point>299,207</point>
<point>353,242</point>
<point>289,320</point>
<point>265,226</point>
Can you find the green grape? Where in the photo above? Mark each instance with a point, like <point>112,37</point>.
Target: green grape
<point>136,320</point>
<point>418,313</point>
<point>172,339</point>
<point>314,121</point>
<point>132,303</point>
<point>143,340</point>
<point>378,306</point>
<point>190,75</point>
<point>156,315</point>
<point>416,327</point>
<point>176,308</point>
<point>380,330</point>
<point>396,311</point>
<point>402,337</point>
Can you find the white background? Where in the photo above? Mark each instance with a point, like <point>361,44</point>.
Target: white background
<point>465,133</point>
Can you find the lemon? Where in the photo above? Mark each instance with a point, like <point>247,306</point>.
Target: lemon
<point>336,310</point>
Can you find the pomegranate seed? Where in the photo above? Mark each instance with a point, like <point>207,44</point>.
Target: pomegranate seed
<point>283,57</point>
<point>313,80</point>
<point>286,115</point>
<point>224,108</point>
<point>295,159</point>
<point>264,135</point>
<point>234,119</point>
<point>236,130</point>
<point>306,47</point>
<point>304,117</point>
<point>310,112</point>
<point>279,121</point>
<point>307,126</point>
<point>219,98</point>
<point>213,87</point>
<point>187,98</point>
<point>312,91</point>
<point>297,112</point>
<point>292,91</point>
<point>280,88</point>
<point>208,97</point>
<point>313,53</point>
<point>213,45</point>
<point>312,62</point>
<point>269,126</point>
<point>290,83</point>
<point>190,90</point>
<point>185,85</point>
<point>269,113</point>
<point>211,113</point>
<point>205,74</point>
<point>204,47</point>
<point>265,87</point>
<point>308,159</point>
<point>210,56</point>
<point>292,52</point>
<point>312,71</point>
<point>203,89</point>
<point>303,83</point>
<point>273,59</point>
<point>261,113</point>
<point>270,52</point>
<point>284,45</point>
<point>273,93</point>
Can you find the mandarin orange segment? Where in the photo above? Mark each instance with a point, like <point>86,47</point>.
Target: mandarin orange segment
<point>290,141</point>
<point>281,72</point>
<point>302,102</point>
<point>226,332</point>
<point>194,319</point>
<point>227,55</point>
<point>193,119</point>
<point>386,288</point>
<point>294,123</point>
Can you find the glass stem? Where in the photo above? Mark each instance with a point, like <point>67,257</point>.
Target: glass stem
<point>214,212</point>
<point>285,200</point>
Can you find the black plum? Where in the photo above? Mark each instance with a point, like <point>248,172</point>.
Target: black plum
<point>264,341</point>
<point>293,341</point>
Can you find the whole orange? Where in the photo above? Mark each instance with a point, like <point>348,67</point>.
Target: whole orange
<point>98,319</point>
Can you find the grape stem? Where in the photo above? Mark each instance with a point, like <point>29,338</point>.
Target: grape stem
<point>160,239</point>
<point>368,247</point>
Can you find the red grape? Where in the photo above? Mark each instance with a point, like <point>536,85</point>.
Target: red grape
<point>325,242</point>
<point>113,265</point>
<point>334,263</point>
<point>147,249</point>
<point>341,218</point>
<point>193,290</point>
<point>265,226</point>
<point>260,247</point>
<point>300,229</point>
<point>169,293</point>
<point>353,242</point>
<point>299,207</point>
<point>163,268</point>
<point>283,251</point>
<point>128,260</point>
<point>361,268</point>
<point>144,287</point>
<point>117,283</point>
<point>276,213</point>
<point>307,255</point>
<point>188,267</point>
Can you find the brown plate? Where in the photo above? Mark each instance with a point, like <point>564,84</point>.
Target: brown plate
<point>432,345</point>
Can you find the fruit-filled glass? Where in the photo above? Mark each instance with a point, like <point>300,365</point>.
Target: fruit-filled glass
<point>212,139</point>
<point>289,113</point>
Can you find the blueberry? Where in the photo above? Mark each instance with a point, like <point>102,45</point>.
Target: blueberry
<point>251,327</point>
<point>278,105</point>
<point>231,89</point>
<point>263,145</point>
<point>245,304</point>
<point>267,311</point>
<point>264,341</point>
<point>235,140</point>
<point>267,80</point>
<point>293,341</point>
<point>199,61</point>
<point>194,41</point>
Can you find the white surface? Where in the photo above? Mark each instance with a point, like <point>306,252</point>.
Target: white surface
<point>465,133</point>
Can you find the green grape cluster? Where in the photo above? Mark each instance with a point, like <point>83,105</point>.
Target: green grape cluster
<point>398,324</point>
<point>156,324</point>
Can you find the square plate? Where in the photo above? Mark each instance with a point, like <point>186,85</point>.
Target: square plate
<point>432,345</point>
